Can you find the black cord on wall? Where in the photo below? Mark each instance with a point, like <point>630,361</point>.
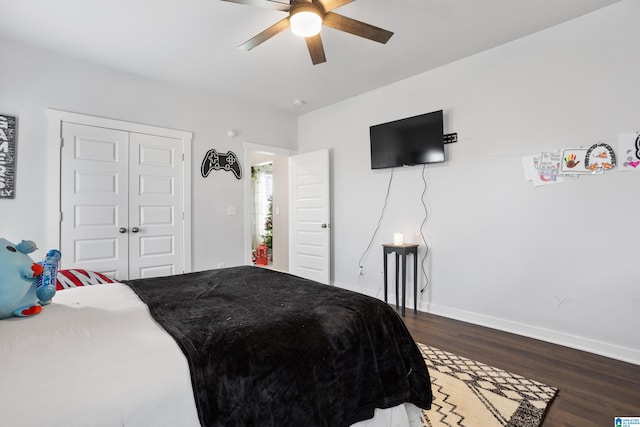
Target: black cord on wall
<point>386,197</point>
<point>426,216</point>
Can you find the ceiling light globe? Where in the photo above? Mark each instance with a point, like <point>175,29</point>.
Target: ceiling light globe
<point>305,23</point>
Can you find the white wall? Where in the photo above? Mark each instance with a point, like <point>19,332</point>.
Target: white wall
<point>558,263</point>
<point>32,80</point>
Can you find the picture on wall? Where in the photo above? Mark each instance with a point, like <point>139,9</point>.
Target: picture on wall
<point>550,167</point>
<point>629,151</point>
<point>7,156</point>
<point>599,157</point>
<point>573,161</point>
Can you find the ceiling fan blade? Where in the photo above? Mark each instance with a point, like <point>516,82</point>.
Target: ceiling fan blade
<point>333,4</point>
<point>314,44</point>
<point>357,28</point>
<point>276,28</point>
<point>265,4</point>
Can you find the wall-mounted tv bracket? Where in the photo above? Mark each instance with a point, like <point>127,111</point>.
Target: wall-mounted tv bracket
<point>450,137</point>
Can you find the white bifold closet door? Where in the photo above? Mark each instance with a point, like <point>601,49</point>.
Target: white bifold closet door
<point>121,202</point>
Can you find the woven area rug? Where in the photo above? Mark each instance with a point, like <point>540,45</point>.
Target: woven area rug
<point>472,394</point>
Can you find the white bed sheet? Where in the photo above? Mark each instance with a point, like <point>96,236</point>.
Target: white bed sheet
<point>95,358</point>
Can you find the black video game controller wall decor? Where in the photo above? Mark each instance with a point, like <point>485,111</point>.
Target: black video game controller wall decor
<point>214,161</point>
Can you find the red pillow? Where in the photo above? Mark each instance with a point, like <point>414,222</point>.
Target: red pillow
<point>75,277</point>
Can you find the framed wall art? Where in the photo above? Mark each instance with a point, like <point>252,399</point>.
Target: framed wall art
<point>7,156</point>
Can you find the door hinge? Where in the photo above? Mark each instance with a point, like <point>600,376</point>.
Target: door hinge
<point>61,142</point>
<point>60,216</point>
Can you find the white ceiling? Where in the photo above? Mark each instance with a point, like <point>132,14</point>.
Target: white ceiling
<point>194,42</point>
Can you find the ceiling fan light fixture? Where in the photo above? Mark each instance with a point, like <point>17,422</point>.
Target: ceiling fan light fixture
<point>305,22</point>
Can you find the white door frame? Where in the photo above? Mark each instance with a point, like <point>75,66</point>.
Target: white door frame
<point>52,202</point>
<point>250,147</point>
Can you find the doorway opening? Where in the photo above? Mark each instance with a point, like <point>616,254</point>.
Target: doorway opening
<point>278,158</point>
<point>262,213</point>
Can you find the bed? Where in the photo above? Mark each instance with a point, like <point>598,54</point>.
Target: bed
<point>228,347</point>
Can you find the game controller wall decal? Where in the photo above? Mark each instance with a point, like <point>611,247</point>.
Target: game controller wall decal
<point>216,161</point>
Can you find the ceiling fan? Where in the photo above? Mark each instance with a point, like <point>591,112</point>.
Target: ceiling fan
<point>306,17</point>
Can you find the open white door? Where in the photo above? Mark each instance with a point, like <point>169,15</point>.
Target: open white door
<point>309,201</point>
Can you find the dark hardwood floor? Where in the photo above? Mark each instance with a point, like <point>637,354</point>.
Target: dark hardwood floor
<point>592,389</point>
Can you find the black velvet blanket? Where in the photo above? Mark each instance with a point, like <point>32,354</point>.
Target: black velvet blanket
<point>271,349</point>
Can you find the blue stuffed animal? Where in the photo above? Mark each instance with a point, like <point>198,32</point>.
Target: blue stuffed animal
<point>25,286</point>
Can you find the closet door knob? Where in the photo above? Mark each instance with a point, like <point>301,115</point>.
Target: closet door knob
<point>122,230</point>
<point>135,229</point>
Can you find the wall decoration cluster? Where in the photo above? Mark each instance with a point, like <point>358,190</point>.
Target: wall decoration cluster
<point>7,156</point>
<point>552,167</point>
<point>216,161</point>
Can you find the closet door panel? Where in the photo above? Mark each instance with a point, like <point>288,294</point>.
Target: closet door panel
<point>94,199</point>
<point>156,205</point>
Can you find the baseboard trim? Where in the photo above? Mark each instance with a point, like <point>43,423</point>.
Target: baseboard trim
<point>624,354</point>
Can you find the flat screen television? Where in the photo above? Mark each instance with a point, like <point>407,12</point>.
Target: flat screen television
<point>406,142</point>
